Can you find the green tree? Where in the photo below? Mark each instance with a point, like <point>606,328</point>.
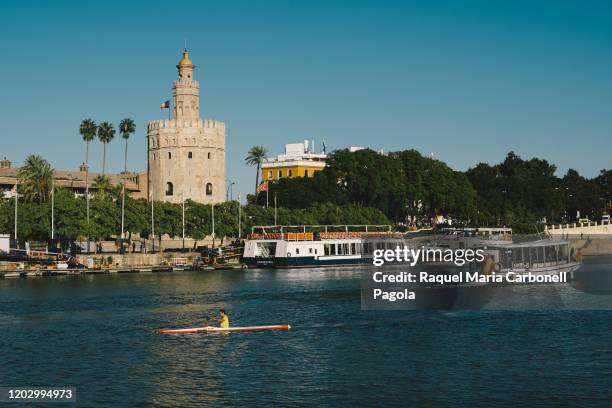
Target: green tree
<point>34,221</point>
<point>127,128</point>
<point>105,220</point>
<point>255,157</point>
<point>70,222</point>
<point>604,181</point>
<point>35,179</point>
<point>106,133</point>
<point>198,219</point>
<point>582,194</point>
<point>226,220</point>
<point>102,183</point>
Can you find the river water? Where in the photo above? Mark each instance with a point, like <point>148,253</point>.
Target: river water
<point>97,333</point>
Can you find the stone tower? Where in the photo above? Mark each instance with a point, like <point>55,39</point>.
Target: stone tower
<point>186,153</point>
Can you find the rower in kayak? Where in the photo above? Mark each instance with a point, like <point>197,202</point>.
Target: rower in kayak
<point>223,319</point>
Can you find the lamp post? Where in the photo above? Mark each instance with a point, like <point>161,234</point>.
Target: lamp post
<point>239,218</point>
<point>275,208</point>
<point>212,211</point>
<point>122,215</point>
<point>52,209</point>
<point>228,193</point>
<point>183,211</point>
<point>16,202</point>
<point>152,224</point>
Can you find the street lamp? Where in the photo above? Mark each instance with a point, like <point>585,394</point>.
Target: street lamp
<point>228,193</point>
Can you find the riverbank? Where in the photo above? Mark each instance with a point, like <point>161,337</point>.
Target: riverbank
<point>29,273</point>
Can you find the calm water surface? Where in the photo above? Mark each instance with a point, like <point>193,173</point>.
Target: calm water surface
<point>97,333</point>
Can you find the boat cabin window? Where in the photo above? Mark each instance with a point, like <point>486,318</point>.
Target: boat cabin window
<point>310,250</point>
<point>297,251</point>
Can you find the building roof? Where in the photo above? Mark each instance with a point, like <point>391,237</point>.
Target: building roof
<point>75,179</point>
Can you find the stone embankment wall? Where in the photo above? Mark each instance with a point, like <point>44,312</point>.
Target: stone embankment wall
<point>138,259</point>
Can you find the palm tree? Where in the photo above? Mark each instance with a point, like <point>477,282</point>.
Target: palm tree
<point>36,179</point>
<point>106,133</point>
<point>256,156</point>
<point>127,128</point>
<point>88,130</point>
<point>102,183</point>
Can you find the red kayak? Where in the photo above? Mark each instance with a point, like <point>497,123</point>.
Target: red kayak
<point>212,329</point>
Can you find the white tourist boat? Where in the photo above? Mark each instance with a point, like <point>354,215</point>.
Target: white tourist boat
<point>458,238</point>
<point>540,257</point>
<point>298,246</point>
<point>545,256</point>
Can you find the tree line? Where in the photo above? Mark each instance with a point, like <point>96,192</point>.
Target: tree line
<point>105,206</point>
<point>412,189</point>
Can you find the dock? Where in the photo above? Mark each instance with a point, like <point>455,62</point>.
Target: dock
<point>28,273</point>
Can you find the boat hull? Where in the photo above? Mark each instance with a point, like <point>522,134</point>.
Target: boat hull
<point>212,329</point>
<point>303,262</point>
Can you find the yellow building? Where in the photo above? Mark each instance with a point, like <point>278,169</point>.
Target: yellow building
<point>298,161</point>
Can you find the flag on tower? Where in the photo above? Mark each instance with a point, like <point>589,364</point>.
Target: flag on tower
<point>262,187</point>
<point>165,105</point>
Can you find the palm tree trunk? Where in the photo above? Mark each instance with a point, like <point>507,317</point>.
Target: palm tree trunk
<point>87,189</point>
<point>256,181</point>
<point>104,159</point>
<point>125,157</point>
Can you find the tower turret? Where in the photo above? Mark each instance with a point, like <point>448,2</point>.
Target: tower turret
<point>186,91</point>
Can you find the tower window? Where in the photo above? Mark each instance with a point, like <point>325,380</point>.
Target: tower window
<point>153,156</point>
<point>209,155</point>
<point>208,188</point>
<point>189,155</point>
<point>169,155</point>
<point>169,189</point>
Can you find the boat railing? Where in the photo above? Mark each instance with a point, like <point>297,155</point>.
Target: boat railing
<point>321,228</point>
<point>316,236</point>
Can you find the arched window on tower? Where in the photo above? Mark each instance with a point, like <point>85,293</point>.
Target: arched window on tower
<point>169,155</point>
<point>209,155</point>
<point>208,188</point>
<point>169,189</point>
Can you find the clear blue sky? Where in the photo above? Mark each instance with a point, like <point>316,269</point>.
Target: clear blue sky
<point>466,80</point>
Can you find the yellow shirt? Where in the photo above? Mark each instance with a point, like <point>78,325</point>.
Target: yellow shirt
<point>224,322</point>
